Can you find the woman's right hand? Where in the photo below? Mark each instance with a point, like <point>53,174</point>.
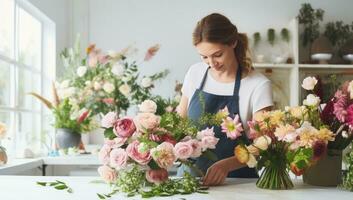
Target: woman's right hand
<point>183,106</point>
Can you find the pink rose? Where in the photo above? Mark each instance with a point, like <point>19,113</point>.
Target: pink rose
<point>208,142</point>
<point>156,176</point>
<point>163,155</point>
<point>108,101</point>
<point>109,120</point>
<point>168,138</point>
<point>124,127</point>
<point>133,152</point>
<point>205,132</point>
<point>196,146</point>
<point>108,174</point>
<point>104,154</point>
<point>119,141</point>
<point>146,121</point>
<point>148,106</point>
<point>118,158</point>
<point>183,150</point>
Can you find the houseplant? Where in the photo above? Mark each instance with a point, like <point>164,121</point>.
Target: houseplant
<point>3,155</point>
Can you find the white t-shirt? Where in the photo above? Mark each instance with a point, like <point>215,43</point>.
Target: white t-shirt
<point>255,90</point>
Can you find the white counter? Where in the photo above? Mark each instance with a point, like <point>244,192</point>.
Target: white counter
<point>25,187</point>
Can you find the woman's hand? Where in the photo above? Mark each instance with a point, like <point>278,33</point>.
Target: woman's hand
<point>217,173</point>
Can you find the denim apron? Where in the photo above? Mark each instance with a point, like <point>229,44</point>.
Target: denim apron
<point>212,103</point>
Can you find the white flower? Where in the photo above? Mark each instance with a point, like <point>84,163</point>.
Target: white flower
<point>2,130</point>
<point>252,161</point>
<point>148,106</point>
<point>345,134</point>
<point>81,71</point>
<point>66,92</point>
<point>350,89</point>
<point>125,89</point>
<point>118,69</point>
<point>146,82</point>
<point>113,54</point>
<point>311,100</point>
<point>262,142</point>
<point>309,83</point>
<point>108,87</point>
<point>97,85</point>
<point>64,84</point>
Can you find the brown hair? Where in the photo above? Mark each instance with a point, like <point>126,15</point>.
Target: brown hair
<point>216,28</point>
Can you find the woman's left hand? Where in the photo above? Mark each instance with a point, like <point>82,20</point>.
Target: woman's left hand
<point>216,174</point>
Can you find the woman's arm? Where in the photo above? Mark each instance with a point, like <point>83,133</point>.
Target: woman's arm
<point>183,106</point>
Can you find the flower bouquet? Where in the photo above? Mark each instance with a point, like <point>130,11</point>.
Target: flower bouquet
<point>337,114</point>
<point>283,140</point>
<point>3,155</point>
<point>107,81</point>
<point>139,151</point>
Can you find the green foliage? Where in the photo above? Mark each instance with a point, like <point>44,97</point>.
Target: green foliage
<point>271,36</point>
<point>338,33</point>
<point>347,182</point>
<point>285,35</point>
<point>62,114</point>
<point>130,181</point>
<point>177,125</point>
<point>257,38</point>
<point>310,18</point>
<point>58,185</point>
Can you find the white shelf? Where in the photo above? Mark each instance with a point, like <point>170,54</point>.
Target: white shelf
<point>271,65</point>
<point>326,66</point>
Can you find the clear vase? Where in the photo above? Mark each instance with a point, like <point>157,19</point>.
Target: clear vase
<point>275,177</point>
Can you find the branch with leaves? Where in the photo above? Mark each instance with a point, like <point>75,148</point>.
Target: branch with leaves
<point>58,185</point>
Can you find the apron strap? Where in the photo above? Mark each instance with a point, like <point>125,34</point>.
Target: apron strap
<point>204,79</point>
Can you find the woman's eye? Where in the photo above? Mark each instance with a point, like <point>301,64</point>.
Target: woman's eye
<point>218,55</point>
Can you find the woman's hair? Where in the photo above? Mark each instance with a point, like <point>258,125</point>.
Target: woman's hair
<point>216,28</point>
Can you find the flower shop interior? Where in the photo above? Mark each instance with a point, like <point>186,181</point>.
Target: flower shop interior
<point>91,93</point>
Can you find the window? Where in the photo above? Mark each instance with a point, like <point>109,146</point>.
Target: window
<point>27,63</point>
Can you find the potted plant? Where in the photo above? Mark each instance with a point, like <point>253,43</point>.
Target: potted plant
<point>258,54</point>
<point>71,120</point>
<point>3,155</point>
<point>310,19</point>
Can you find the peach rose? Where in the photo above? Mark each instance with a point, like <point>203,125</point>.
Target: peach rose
<point>183,150</point>
<point>163,155</point>
<point>133,152</point>
<point>146,121</point>
<point>156,176</point>
<point>108,174</point>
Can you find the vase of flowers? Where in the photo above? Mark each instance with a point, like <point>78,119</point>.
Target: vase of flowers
<point>283,141</point>
<point>139,150</point>
<point>3,155</point>
<point>337,114</point>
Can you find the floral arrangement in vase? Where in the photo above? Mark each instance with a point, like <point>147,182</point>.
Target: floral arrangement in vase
<point>3,155</point>
<point>107,81</point>
<point>139,151</point>
<point>293,139</point>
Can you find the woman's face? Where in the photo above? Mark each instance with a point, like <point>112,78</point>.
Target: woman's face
<point>218,56</point>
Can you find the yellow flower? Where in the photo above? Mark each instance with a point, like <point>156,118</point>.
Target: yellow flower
<point>241,153</point>
<point>277,117</point>
<point>325,135</point>
<point>262,116</point>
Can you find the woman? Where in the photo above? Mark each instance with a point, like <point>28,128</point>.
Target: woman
<point>224,78</point>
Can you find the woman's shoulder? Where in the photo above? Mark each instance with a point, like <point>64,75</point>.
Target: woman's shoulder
<point>197,68</point>
<point>255,77</point>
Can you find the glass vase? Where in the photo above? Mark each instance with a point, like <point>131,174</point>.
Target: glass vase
<point>275,177</point>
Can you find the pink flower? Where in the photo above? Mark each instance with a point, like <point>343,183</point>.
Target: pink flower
<point>133,152</point>
<point>183,150</point>
<point>119,141</point>
<point>208,142</point>
<point>109,101</point>
<point>196,146</point>
<point>252,131</point>
<point>163,155</point>
<point>108,174</point>
<point>168,138</point>
<point>92,60</point>
<point>124,127</point>
<point>118,158</point>
<point>148,106</point>
<point>82,117</point>
<point>157,176</point>
<point>339,107</point>
<point>205,132</point>
<point>151,52</point>
<point>147,121</point>
<point>104,154</point>
<point>232,127</point>
<point>349,119</point>
<point>109,119</point>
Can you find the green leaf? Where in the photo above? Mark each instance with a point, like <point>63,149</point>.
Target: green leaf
<point>61,187</point>
<point>42,183</point>
<point>210,155</point>
<point>108,133</point>
<point>100,196</point>
<point>53,183</point>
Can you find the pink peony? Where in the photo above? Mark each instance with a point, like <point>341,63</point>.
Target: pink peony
<point>163,155</point>
<point>133,152</point>
<point>104,154</point>
<point>349,119</point>
<point>183,150</point>
<point>156,176</point>
<point>146,121</point>
<point>124,127</point>
<point>109,119</point>
<point>108,174</point>
<point>232,127</point>
<point>118,158</point>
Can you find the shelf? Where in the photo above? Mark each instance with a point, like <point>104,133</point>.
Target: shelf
<point>271,65</point>
<point>326,66</point>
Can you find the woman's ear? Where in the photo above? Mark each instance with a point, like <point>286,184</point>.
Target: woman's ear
<point>234,44</point>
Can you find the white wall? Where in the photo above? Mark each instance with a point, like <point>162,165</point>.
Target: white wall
<point>115,24</point>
